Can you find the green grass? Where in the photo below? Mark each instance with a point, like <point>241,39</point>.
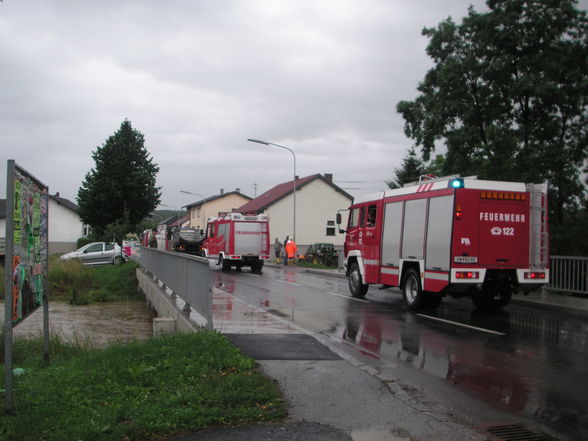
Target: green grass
<point>137,391</point>
<point>81,285</point>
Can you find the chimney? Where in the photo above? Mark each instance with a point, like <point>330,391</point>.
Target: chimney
<point>329,177</point>
<point>222,191</point>
<point>238,190</point>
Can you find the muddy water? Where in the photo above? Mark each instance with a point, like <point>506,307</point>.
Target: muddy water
<point>97,324</point>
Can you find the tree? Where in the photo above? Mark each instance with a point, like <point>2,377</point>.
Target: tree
<point>413,168</point>
<point>508,95</point>
<point>120,191</point>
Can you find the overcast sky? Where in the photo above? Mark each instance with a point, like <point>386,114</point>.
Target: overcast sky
<point>199,77</point>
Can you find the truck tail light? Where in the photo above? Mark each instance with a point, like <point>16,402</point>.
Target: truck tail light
<point>467,275</point>
<point>535,275</point>
<point>234,257</point>
<point>458,212</point>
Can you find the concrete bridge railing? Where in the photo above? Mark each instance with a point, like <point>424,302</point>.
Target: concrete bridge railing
<point>188,277</point>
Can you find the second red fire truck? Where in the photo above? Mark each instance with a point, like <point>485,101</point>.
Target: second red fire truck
<point>235,239</point>
<point>450,236</point>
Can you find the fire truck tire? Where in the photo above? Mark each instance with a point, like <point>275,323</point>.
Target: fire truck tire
<point>257,266</point>
<point>224,264</point>
<point>414,297</point>
<point>356,286</point>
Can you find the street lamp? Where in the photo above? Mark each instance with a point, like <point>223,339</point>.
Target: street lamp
<point>294,189</point>
<point>203,206</point>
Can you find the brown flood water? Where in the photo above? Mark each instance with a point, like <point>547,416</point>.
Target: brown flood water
<point>98,324</point>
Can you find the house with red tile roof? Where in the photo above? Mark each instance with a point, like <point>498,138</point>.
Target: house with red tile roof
<point>211,206</point>
<point>317,201</point>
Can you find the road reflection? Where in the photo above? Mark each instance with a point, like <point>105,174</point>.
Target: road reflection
<point>536,369</point>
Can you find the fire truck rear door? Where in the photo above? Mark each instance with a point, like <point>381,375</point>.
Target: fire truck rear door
<point>504,233</point>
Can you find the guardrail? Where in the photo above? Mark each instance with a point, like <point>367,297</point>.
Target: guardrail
<point>187,276</point>
<point>569,274</point>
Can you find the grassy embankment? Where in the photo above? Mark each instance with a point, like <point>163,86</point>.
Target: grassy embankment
<point>81,285</point>
<point>133,391</point>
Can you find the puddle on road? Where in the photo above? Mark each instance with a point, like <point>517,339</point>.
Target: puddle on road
<point>376,435</point>
<point>98,324</point>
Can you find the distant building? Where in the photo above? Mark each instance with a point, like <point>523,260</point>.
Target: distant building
<point>317,201</point>
<point>211,206</point>
<point>65,225</point>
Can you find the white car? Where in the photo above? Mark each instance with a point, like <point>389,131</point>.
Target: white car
<point>97,253</point>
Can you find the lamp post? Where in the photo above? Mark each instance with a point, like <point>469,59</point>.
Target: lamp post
<point>294,181</point>
<point>203,206</point>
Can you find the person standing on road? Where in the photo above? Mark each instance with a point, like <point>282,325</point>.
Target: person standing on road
<point>290,250</point>
<point>277,249</point>
<point>153,239</point>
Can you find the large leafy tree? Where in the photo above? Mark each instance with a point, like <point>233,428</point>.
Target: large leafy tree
<point>508,95</point>
<point>120,191</point>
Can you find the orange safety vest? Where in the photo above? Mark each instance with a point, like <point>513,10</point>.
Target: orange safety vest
<point>291,249</point>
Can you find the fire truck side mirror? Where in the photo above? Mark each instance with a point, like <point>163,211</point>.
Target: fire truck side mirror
<point>338,220</point>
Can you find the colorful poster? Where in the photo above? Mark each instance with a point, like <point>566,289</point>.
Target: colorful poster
<point>30,241</point>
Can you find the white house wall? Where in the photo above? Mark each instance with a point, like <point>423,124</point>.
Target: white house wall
<point>316,204</point>
<point>65,228</point>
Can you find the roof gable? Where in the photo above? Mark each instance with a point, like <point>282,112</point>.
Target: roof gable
<point>215,197</point>
<point>280,191</point>
<point>65,202</point>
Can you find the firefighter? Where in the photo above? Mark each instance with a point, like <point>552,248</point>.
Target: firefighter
<point>153,239</point>
<point>290,250</point>
<point>277,249</point>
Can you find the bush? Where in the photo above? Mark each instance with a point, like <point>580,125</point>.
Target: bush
<point>84,241</point>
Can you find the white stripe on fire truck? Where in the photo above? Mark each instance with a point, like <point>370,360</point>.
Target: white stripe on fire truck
<point>371,262</point>
<point>437,276</point>
<point>393,271</point>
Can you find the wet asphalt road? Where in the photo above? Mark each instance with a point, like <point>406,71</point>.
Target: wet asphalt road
<point>520,365</point>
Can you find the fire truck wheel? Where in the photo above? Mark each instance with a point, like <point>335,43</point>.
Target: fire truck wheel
<point>257,266</point>
<point>224,265</point>
<point>414,298</point>
<point>356,286</point>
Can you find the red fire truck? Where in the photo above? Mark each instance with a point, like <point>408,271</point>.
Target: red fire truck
<point>450,236</point>
<point>235,239</point>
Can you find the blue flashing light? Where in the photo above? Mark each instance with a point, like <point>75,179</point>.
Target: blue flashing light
<point>457,183</point>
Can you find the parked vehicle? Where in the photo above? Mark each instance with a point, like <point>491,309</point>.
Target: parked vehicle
<point>235,239</point>
<point>323,253</point>
<point>98,253</point>
<point>450,236</point>
<point>187,240</point>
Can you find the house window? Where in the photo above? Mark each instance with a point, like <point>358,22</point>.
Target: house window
<point>331,223</point>
<point>330,231</point>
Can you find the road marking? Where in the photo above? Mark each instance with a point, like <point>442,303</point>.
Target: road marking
<point>489,331</point>
<point>345,297</point>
